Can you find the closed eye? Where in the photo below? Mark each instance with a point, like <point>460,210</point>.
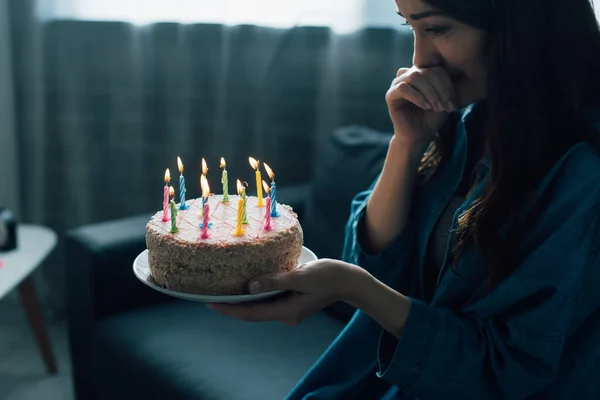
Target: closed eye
<point>434,30</point>
<point>437,30</point>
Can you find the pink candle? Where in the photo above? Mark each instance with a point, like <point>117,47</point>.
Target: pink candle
<point>166,205</point>
<point>268,226</point>
<point>165,217</point>
<point>205,222</point>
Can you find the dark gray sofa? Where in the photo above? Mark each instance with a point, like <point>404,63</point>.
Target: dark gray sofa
<point>129,342</point>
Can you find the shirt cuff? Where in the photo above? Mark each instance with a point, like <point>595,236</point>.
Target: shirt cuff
<point>402,362</point>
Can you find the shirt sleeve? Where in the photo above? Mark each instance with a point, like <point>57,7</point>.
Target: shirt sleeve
<point>509,343</point>
<point>395,254</point>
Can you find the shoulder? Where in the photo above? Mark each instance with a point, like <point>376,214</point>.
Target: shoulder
<point>577,169</point>
<point>571,193</point>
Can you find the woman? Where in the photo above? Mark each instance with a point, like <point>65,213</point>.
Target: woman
<point>479,263</point>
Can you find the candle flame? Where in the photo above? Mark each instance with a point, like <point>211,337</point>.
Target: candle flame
<point>269,171</point>
<point>171,191</point>
<point>265,186</point>
<point>239,187</point>
<point>167,175</point>
<point>253,162</point>
<point>204,186</point>
<point>223,165</point>
<point>180,165</point>
<point>204,167</point>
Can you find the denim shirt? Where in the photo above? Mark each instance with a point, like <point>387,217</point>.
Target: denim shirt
<point>535,335</point>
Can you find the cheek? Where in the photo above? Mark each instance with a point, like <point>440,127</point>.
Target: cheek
<point>469,73</point>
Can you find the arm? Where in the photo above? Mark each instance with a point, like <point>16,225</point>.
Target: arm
<point>388,207</point>
<point>389,222</point>
<point>507,344</point>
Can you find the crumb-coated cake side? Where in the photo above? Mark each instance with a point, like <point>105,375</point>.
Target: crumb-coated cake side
<point>223,263</point>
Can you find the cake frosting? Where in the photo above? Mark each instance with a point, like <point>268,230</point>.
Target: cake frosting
<point>223,263</point>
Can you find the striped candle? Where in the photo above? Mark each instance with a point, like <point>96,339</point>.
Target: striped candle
<point>267,226</point>
<point>205,222</point>
<point>224,181</point>
<point>273,191</point>
<point>166,193</point>
<point>182,190</point>
<point>244,216</point>
<point>273,196</point>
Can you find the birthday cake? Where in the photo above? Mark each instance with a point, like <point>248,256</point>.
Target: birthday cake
<point>239,243</point>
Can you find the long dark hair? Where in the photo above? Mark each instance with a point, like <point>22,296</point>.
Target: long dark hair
<point>543,66</point>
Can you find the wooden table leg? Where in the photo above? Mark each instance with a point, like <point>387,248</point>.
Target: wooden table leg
<point>35,318</point>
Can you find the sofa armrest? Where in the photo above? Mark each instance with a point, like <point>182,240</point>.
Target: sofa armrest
<point>100,282</point>
<point>99,268</point>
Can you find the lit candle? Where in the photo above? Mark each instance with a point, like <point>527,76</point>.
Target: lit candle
<point>205,193</point>
<point>166,196</point>
<point>182,190</point>
<point>224,181</point>
<point>205,221</point>
<point>272,192</point>
<point>244,216</point>
<point>203,178</point>
<point>254,164</point>
<point>174,212</point>
<point>267,226</point>
<point>239,230</point>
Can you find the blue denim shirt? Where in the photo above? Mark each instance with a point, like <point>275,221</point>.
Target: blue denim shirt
<point>535,335</point>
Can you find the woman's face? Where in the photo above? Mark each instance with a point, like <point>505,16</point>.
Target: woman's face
<point>441,41</point>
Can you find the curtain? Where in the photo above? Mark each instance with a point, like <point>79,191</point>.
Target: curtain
<point>103,108</point>
<point>8,159</point>
<point>342,16</point>
<point>92,112</point>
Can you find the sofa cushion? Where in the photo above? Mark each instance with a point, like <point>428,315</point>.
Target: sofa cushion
<point>182,350</point>
<point>348,164</point>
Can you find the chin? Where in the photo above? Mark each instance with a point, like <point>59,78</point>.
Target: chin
<point>466,98</point>
<point>468,92</point>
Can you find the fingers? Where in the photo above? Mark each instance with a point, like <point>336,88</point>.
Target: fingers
<point>425,87</point>
<point>429,89</point>
<point>402,71</point>
<point>291,280</point>
<point>405,91</point>
<point>283,309</point>
<point>440,79</point>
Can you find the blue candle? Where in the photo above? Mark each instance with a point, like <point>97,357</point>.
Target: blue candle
<point>273,196</point>
<point>205,194</point>
<point>273,191</point>
<point>182,204</point>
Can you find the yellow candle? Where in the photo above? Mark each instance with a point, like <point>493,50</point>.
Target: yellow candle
<point>239,230</point>
<point>254,164</point>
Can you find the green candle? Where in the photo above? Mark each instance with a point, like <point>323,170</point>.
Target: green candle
<point>244,218</point>
<point>174,212</point>
<point>225,182</point>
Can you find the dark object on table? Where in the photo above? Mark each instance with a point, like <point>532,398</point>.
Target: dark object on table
<point>128,341</point>
<point>8,230</point>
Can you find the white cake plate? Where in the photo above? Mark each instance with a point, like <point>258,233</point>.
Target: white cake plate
<point>141,269</point>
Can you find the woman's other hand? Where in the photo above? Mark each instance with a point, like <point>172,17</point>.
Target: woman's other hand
<point>419,102</point>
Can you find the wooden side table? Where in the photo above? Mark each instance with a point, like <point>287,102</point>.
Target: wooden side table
<point>34,245</point>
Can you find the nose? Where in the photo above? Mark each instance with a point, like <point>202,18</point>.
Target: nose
<point>425,53</point>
